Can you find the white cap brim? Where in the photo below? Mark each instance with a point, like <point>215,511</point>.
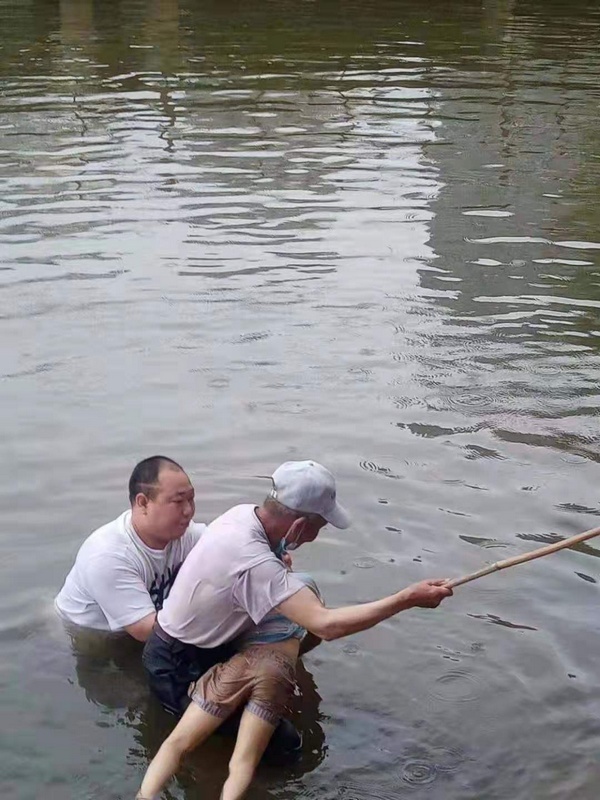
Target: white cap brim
<point>338,517</point>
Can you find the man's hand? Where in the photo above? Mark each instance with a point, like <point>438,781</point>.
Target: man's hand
<point>428,594</point>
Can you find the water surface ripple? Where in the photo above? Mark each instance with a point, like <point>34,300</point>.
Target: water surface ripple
<point>242,233</point>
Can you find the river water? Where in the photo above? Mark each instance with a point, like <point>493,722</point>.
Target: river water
<point>362,232</point>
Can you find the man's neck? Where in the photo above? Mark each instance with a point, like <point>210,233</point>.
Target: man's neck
<point>274,535</point>
<point>146,536</point>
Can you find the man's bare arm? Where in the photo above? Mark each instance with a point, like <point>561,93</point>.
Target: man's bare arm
<point>141,629</point>
<point>332,623</point>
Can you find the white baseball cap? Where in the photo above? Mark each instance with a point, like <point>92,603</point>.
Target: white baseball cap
<point>308,487</point>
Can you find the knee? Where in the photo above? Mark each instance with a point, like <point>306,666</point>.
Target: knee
<point>178,744</point>
<point>239,763</point>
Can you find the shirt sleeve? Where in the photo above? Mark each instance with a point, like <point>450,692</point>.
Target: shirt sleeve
<point>195,530</point>
<point>192,536</point>
<point>262,588</point>
<point>119,591</point>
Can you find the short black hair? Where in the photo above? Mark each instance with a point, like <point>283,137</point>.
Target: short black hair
<point>144,477</point>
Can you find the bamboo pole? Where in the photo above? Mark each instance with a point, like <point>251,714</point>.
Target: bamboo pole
<point>530,556</point>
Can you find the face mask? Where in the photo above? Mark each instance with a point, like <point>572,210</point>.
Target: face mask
<point>280,549</point>
<point>284,546</point>
<point>290,545</point>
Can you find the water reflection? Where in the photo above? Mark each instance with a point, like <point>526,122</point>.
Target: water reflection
<point>76,21</point>
<point>109,670</point>
<point>519,333</point>
<point>242,231</point>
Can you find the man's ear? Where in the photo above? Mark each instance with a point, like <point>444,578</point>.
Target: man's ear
<point>141,502</point>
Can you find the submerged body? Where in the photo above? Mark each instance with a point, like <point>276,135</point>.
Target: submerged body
<point>261,677</point>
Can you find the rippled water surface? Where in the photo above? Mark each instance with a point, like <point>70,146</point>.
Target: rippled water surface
<point>364,232</point>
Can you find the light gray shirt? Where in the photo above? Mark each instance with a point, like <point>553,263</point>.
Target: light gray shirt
<point>228,583</point>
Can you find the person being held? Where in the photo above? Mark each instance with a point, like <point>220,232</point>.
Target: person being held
<point>261,677</point>
<point>232,579</point>
<point>124,570</point>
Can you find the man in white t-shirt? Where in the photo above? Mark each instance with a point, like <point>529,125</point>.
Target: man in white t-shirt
<point>233,579</point>
<point>124,570</point>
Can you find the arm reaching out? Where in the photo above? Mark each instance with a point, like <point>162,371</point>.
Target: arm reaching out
<point>333,623</point>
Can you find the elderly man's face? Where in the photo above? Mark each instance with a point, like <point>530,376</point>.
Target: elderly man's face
<point>172,506</point>
<point>311,528</point>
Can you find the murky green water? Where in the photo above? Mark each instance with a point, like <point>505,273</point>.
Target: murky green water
<point>364,232</point>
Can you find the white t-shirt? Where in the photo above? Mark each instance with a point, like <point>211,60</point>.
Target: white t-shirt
<point>230,581</point>
<point>117,580</point>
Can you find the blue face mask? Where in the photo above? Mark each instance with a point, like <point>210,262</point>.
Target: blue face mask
<point>284,546</point>
<point>280,550</point>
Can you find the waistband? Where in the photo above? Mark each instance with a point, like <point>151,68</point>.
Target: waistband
<point>260,651</point>
<point>223,651</point>
<point>163,635</point>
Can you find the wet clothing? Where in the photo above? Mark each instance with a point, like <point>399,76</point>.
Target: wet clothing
<point>172,666</point>
<point>275,627</point>
<point>118,580</point>
<point>261,678</point>
<point>229,582</point>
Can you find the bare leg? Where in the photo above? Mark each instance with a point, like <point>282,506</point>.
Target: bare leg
<point>252,739</point>
<point>192,729</point>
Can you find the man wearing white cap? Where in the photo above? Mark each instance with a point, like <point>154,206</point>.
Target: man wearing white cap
<point>234,577</point>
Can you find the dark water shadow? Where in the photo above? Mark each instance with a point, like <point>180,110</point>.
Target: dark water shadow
<point>110,672</point>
